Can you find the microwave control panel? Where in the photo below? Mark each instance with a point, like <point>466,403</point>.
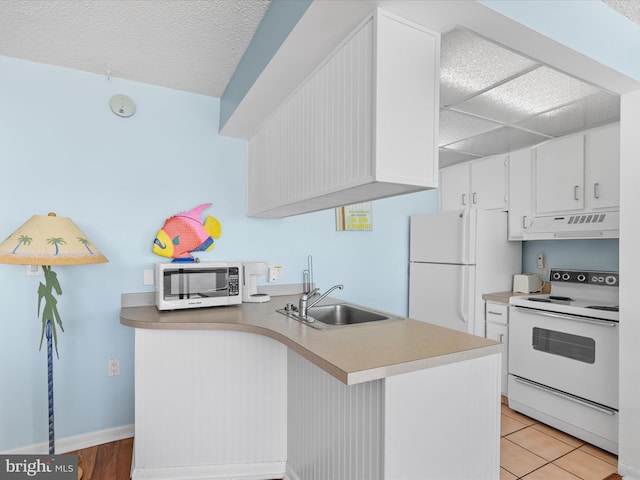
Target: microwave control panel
<point>234,281</point>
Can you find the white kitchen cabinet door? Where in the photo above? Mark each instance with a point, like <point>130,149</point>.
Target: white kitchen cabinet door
<point>602,167</point>
<point>559,175</point>
<point>520,192</point>
<point>363,126</point>
<point>454,187</point>
<point>489,183</point>
<point>497,328</point>
<point>480,184</point>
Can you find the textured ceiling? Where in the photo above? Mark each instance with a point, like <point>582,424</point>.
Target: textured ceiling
<point>493,99</point>
<point>628,8</point>
<point>192,45</point>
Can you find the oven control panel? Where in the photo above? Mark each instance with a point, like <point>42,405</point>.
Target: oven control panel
<point>585,276</point>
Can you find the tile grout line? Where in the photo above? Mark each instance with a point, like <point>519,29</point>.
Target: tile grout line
<point>552,461</point>
<point>532,453</point>
<point>574,448</point>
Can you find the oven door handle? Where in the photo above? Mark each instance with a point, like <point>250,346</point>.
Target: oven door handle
<point>575,318</point>
<point>599,408</point>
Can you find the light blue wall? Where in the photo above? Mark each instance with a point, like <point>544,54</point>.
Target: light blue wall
<point>63,150</point>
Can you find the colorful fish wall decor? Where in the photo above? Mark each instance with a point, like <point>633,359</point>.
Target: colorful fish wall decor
<point>185,233</point>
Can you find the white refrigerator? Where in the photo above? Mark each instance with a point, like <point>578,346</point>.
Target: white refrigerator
<point>454,258</point>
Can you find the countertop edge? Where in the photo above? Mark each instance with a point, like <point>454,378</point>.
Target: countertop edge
<point>432,362</point>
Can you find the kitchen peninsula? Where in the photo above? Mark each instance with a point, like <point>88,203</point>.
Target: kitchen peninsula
<point>246,392</point>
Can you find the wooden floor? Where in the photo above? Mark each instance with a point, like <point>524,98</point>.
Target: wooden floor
<point>109,461</point>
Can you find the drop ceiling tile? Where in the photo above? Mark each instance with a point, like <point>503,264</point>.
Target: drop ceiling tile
<point>451,157</point>
<point>502,140</point>
<point>535,92</point>
<point>464,61</point>
<point>456,126</point>
<point>598,109</point>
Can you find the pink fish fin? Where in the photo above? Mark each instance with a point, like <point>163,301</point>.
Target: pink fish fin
<point>195,212</point>
<point>213,227</point>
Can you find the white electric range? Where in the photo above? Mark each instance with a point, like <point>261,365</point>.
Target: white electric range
<point>563,355</point>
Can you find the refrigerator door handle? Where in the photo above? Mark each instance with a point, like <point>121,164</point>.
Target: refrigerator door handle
<point>464,295</point>
<point>465,236</point>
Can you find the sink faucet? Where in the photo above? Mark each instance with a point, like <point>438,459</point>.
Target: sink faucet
<point>304,306</point>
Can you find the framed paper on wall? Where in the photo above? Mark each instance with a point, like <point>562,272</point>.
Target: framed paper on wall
<point>356,217</point>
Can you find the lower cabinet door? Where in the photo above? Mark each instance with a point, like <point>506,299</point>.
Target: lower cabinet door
<point>500,333</point>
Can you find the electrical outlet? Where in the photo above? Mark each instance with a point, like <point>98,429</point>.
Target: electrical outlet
<point>542,268</point>
<point>34,270</point>
<point>114,367</point>
<point>148,277</point>
<point>274,273</point>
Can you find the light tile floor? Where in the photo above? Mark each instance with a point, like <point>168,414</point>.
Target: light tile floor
<point>530,450</point>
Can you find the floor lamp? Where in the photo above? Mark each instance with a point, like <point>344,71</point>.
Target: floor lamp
<point>49,240</point>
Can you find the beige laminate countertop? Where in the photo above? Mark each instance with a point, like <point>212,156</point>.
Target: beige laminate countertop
<point>503,297</point>
<point>353,354</point>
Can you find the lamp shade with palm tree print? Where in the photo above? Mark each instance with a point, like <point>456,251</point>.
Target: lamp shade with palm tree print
<point>49,240</point>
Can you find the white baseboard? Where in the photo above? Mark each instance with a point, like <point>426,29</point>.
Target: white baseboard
<point>628,472</point>
<point>77,442</point>
<point>257,471</point>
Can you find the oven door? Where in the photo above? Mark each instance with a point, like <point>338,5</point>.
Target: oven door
<point>573,354</point>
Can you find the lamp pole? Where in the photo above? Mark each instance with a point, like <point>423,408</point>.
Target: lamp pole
<point>52,435</point>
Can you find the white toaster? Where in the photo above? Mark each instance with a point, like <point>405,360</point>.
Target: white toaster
<point>527,283</point>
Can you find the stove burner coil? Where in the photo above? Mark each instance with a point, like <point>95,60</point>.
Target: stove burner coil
<point>550,299</point>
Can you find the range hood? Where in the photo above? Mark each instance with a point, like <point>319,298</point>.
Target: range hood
<point>575,226</point>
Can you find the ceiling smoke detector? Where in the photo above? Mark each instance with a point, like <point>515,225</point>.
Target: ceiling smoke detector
<point>122,106</point>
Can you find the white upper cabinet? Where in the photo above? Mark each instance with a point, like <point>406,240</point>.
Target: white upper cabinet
<point>520,192</point>
<point>559,175</point>
<point>489,183</point>
<point>478,184</point>
<point>455,183</point>
<point>578,172</point>
<point>602,171</point>
<point>363,126</point>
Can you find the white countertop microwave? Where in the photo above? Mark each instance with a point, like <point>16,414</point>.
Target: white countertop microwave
<point>182,285</point>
